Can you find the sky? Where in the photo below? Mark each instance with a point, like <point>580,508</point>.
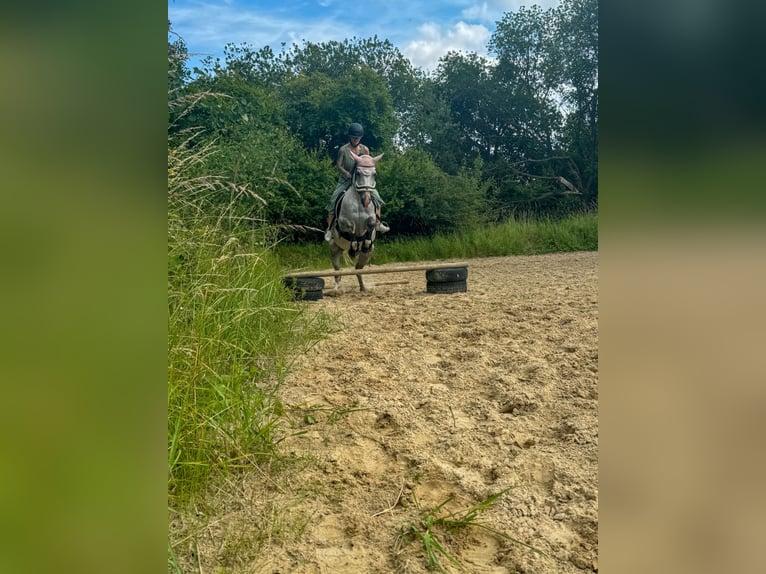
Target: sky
<point>422,30</point>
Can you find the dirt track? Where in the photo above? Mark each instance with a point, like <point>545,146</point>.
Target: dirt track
<point>429,396</point>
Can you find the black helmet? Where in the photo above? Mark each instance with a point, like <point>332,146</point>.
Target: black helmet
<point>355,130</point>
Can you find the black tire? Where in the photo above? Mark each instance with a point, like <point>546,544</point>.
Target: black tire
<point>304,295</point>
<point>448,287</point>
<point>307,283</point>
<point>447,275</point>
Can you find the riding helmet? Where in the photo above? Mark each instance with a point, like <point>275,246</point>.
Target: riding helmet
<point>355,130</point>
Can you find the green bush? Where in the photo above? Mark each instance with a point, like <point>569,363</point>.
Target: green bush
<point>422,200</point>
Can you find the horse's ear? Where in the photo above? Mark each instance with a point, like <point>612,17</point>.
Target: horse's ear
<point>377,157</point>
<point>353,156</point>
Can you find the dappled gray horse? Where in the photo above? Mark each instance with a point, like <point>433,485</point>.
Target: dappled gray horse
<point>353,231</point>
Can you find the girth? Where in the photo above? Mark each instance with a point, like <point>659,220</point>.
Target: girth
<point>363,244</point>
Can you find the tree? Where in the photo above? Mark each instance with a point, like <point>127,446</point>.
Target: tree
<point>337,59</point>
<point>528,72</point>
<point>430,127</point>
<point>319,109</point>
<point>465,82</point>
<point>577,35</point>
<point>256,67</point>
<point>178,74</point>
<point>546,73</point>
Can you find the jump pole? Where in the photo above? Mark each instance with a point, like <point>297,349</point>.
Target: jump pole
<point>369,271</point>
<point>381,284</point>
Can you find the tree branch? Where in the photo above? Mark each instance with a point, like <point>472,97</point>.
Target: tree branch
<point>539,160</point>
<point>562,180</point>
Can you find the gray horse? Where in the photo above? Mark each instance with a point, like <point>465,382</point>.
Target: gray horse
<point>353,231</point>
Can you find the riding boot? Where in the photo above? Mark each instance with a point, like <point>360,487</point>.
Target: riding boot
<point>381,226</point>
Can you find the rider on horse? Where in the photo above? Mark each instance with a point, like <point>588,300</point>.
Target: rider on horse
<point>345,165</point>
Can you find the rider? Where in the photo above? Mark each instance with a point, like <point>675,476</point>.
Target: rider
<point>345,165</point>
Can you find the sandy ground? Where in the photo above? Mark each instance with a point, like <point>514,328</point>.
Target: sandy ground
<point>422,397</point>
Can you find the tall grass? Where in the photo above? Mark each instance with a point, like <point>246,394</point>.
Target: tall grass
<point>232,330</point>
<point>516,237</point>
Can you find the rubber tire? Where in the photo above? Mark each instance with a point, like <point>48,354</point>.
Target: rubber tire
<point>307,283</point>
<point>447,275</point>
<point>304,295</point>
<point>447,287</point>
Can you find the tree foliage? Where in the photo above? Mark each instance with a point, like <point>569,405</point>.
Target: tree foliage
<point>178,73</point>
<point>423,199</point>
<point>474,141</point>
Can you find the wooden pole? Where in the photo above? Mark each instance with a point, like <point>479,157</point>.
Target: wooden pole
<point>370,270</point>
<point>402,282</point>
<point>378,284</point>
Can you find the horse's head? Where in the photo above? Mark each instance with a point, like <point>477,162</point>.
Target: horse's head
<point>364,172</point>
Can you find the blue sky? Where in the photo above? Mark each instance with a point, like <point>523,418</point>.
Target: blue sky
<point>422,30</point>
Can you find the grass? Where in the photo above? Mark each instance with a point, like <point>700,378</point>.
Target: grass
<point>233,334</point>
<point>515,237</point>
<point>432,524</point>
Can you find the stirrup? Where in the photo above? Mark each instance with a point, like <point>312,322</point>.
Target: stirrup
<point>382,227</point>
<point>328,235</point>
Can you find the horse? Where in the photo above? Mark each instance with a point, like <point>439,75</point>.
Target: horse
<point>353,230</point>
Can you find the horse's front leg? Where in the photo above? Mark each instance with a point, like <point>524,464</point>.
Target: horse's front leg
<point>366,250</point>
<point>359,265</point>
<point>335,254</point>
<point>364,258</point>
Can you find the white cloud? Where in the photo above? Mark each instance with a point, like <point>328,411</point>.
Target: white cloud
<point>432,43</point>
<point>479,12</point>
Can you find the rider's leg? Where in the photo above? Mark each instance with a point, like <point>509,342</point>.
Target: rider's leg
<point>378,201</point>
<point>328,232</point>
<point>382,227</point>
<point>340,188</point>
<point>379,225</point>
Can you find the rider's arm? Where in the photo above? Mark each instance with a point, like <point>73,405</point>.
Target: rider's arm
<point>339,164</point>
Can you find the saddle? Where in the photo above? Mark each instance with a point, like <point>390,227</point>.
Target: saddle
<point>341,195</point>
